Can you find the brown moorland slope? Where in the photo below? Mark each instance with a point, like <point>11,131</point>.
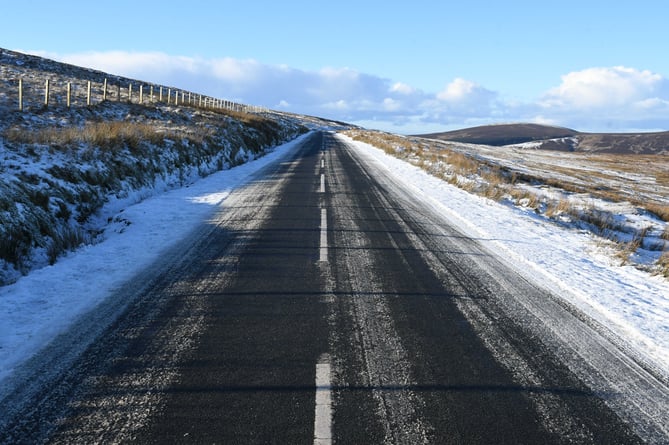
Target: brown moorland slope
<point>547,137</point>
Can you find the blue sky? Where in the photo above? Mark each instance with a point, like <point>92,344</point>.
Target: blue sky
<point>408,67</point>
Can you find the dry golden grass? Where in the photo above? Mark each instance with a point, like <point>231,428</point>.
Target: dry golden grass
<point>558,207</point>
<point>525,198</point>
<point>627,249</point>
<point>461,163</point>
<point>99,134</point>
<point>665,234</point>
<point>660,210</point>
<point>663,264</point>
<point>108,135</point>
<point>389,143</point>
<point>662,178</point>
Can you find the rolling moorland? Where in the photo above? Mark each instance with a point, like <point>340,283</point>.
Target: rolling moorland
<point>545,137</point>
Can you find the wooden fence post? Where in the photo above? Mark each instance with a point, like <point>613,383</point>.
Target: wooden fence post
<point>141,94</point>
<point>46,93</point>
<point>118,91</point>
<point>104,90</point>
<point>20,94</point>
<point>130,93</point>
<point>88,94</point>
<point>69,94</point>
<point>151,93</point>
<point>160,94</point>
<point>176,98</point>
<point>169,95</point>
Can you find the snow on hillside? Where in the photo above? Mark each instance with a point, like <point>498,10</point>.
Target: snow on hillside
<point>632,304</point>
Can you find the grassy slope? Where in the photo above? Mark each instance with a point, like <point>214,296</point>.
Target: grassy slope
<point>504,134</point>
<point>59,165</point>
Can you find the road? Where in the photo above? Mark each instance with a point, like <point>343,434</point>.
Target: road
<point>326,304</point>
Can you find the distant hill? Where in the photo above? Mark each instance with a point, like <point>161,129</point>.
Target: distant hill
<point>503,134</point>
<point>545,137</point>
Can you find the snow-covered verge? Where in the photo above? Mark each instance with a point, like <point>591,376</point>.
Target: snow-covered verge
<point>41,305</point>
<point>65,172</point>
<point>569,261</point>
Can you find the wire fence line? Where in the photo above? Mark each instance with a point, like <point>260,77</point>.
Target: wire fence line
<point>31,93</point>
<point>33,83</point>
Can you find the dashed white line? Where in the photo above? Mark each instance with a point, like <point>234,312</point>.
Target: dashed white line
<point>323,414</point>
<point>323,418</point>
<point>324,236</point>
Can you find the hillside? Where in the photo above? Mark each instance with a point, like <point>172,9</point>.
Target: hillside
<point>504,134</point>
<point>545,137</point>
<point>65,170</point>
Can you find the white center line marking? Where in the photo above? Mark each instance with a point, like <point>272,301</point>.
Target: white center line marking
<point>322,163</point>
<point>323,419</point>
<point>322,190</point>
<point>324,236</point>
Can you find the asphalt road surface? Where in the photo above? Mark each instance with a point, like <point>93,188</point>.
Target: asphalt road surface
<point>327,304</point>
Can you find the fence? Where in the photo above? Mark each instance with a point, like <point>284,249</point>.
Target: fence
<point>31,94</point>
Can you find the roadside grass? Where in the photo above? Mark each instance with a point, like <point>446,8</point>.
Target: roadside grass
<point>663,264</point>
<point>550,196</point>
<point>61,167</point>
<point>103,135</point>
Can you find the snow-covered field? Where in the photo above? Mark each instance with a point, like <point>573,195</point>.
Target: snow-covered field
<point>632,304</point>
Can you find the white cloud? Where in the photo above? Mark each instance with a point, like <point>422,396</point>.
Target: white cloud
<point>613,98</point>
<point>458,90</point>
<point>232,70</point>
<point>610,98</point>
<point>604,87</point>
<point>339,105</point>
<point>464,98</point>
<point>402,88</point>
<point>391,104</point>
